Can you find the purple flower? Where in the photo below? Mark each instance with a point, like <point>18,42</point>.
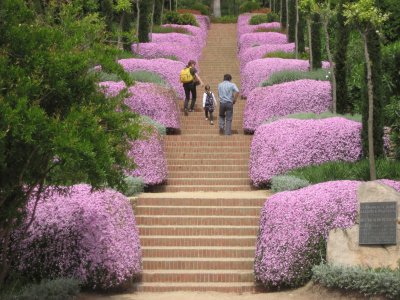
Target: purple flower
<point>293,223</point>
<point>178,38</point>
<point>85,235</point>
<point>248,40</point>
<point>244,26</point>
<point>285,99</point>
<point>288,144</point>
<point>199,34</point>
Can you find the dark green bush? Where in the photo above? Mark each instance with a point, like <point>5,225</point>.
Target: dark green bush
<point>173,17</point>
<point>161,29</point>
<point>264,18</point>
<point>224,19</point>
<point>287,55</point>
<point>289,75</point>
<point>370,282</point>
<point>195,5</point>
<point>248,6</point>
<point>273,29</point>
<point>339,170</point>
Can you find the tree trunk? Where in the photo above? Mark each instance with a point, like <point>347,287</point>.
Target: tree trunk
<point>152,21</point>
<point>328,51</point>
<point>296,32</point>
<point>137,18</point>
<point>217,8</point>
<point>170,4</point>
<point>371,152</point>
<point>121,23</point>
<point>310,41</point>
<point>287,16</point>
<point>281,14</point>
<point>176,5</point>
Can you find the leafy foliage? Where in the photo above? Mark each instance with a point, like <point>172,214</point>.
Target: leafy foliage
<point>282,54</point>
<point>173,17</point>
<point>224,19</point>
<point>163,29</point>
<point>267,18</point>
<point>248,6</point>
<point>287,183</point>
<point>289,75</point>
<point>135,185</point>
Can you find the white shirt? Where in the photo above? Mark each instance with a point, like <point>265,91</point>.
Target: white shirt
<point>205,97</point>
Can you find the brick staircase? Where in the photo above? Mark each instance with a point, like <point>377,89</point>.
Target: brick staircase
<point>198,231</point>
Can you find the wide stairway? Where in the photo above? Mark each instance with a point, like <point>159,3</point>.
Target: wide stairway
<point>198,232</point>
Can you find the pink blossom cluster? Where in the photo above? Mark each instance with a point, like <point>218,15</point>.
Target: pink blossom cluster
<point>149,157</point>
<point>149,99</point>
<point>168,70</point>
<point>204,22</point>
<point>285,99</point>
<point>288,144</point>
<point>182,52</point>
<point>259,70</point>
<point>248,40</point>
<point>243,24</point>
<point>247,28</point>
<point>89,236</point>
<point>293,224</point>
<point>199,33</point>
<point>258,52</point>
<point>178,38</point>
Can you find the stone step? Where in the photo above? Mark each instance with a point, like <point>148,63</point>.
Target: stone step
<point>208,149</point>
<point>200,241</point>
<point>197,220</point>
<point>208,138</point>
<point>199,155</point>
<point>198,144</point>
<point>215,174</point>
<point>197,276</point>
<point>208,181</point>
<point>209,168</point>
<point>194,211</point>
<point>221,287</point>
<point>149,200</point>
<point>218,251</point>
<point>202,188</point>
<point>184,230</point>
<point>202,161</point>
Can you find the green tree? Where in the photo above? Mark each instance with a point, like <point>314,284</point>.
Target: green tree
<point>158,12</point>
<point>56,128</point>
<point>368,19</point>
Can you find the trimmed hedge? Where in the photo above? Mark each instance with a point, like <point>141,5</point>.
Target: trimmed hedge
<point>292,75</point>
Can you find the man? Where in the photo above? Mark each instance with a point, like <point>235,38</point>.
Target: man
<point>228,94</point>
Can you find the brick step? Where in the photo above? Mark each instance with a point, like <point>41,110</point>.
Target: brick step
<point>194,211</point>
<point>200,241</point>
<point>213,155</point>
<point>214,132</point>
<point>146,230</point>
<point>208,138</point>
<point>222,287</point>
<point>185,174</point>
<point>224,142</point>
<point>208,181</point>
<point>197,276</point>
<point>209,168</point>
<point>194,263</point>
<point>202,188</point>
<point>198,220</point>
<point>202,161</point>
<point>208,149</point>
<point>256,202</point>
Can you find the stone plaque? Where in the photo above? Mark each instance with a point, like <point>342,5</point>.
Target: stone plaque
<point>378,223</point>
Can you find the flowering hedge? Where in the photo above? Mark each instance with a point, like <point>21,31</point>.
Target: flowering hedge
<point>259,70</point>
<point>199,33</point>
<point>149,99</point>
<point>178,38</point>
<point>293,224</point>
<point>244,26</point>
<point>168,69</point>
<point>182,52</point>
<point>204,22</point>
<point>89,236</point>
<point>149,157</point>
<point>287,144</point>
<point>248,40</point>
<point>284,99</point>
<point>258,52</point>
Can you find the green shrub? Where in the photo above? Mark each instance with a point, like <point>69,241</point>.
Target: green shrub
<point>224,19</point>
<point>135,185</point>
<point>146,76</point>
<point>161,29</point>
<point>286,55</point>
<point>195,5</point>
<point>324,115</point>
<point>290,75</point>
<point>273,29</point>
<point>287,183</point>
<point>145,120</point>
<point>248,6</point>
<point>173,17</point>
<point>103,76</point>
<point>339,170</point>
<point>370,282</point>
<point>264,18</point>
<point>57,289</point>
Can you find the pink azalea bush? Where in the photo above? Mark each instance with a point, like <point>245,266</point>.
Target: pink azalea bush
<point>198,32</point>
<point>258,52</point>
<point>204,22</point>
<point>285,99</point>
<point>259,70</point>
<point>288,144</point>
<point>89,236</point>
<point>182,52</point>
<point>248,40</point>
<point>168,70</point>
<point>149,99</point>
<point>178,38</point>
<point>244,26</point>
<point>294,223</point>
<point>149,157</point>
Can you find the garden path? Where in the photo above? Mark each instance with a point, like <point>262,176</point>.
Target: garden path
<point>198,232</point>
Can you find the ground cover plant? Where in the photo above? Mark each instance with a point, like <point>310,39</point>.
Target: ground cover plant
<point>294,226</point>
<point>200,33</point>
<point>265,18</point>
<point>283,54</point>
<point>284,99</point>
<point>191,41</point>
<point>169,29</point>
<point>288,144</point>
<point>224,19</point>
<point>77,235</point>
<point>260,38</point>
<point>292,75</point>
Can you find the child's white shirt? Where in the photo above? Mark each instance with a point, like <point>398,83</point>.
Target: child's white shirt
<point>205,97</point>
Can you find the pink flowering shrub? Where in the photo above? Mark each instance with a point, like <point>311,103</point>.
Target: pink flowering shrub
<point>288,144</point>
<point>204,22</point>
<point>294,224</point>
<point>244,26</point>
<point>182,52</point>
<point>248,40</point>
<point>149,99</point>
<point>149,157</point>
<point>168,70</point>
<point>178,38</point>
<point>198,32</point>
<point>284,99</point>
<point>258,52</point>
<point>89,236</point>
<point>259,70</point>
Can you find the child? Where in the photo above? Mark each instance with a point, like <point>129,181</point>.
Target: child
<point>209,104</point>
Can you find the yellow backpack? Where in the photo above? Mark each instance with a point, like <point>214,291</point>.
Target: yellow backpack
<point>186,76</point>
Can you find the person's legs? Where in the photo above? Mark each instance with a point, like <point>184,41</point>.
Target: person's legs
<point>206,112</point>
<point>187,97</point>
<point>229,115</point>
<point>194,96</point>
<point>211,118</point>
<point>221,116</point>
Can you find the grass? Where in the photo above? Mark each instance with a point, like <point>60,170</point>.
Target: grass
<point>290,75</point>
<point>224,19</point>
<point>161,29</point>
<point>287,55</point>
